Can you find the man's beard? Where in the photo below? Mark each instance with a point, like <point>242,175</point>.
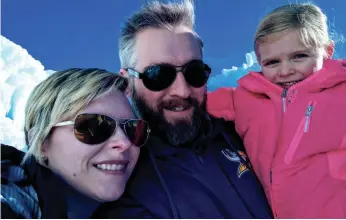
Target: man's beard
<point>180,131</point>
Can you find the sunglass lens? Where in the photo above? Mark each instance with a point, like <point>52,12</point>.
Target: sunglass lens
<point>196,74</point>
<point>137,131</point>
<point>159,77</point>
<point>94,128</point>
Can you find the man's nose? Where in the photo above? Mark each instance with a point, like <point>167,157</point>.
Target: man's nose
<point>180,87</point>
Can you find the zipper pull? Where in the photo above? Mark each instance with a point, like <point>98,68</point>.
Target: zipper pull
<point>307,118</point>
<point>283,96</point>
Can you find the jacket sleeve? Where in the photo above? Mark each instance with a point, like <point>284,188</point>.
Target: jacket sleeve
<point>220,103</point>
<point>343,63</point>
<point>124,208</point>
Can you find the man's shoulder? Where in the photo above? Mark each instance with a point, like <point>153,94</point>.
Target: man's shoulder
<point>228,133</point>
<point>144,175</point>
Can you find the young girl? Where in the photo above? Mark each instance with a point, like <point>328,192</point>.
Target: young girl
<point>292,115</point>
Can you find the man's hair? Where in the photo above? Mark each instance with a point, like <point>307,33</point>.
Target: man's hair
<point>154,15</point>
<point>61,96</point>
<point>307,18</point>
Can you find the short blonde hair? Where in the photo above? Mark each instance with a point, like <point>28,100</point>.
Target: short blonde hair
<point>307,18</point>
<point>60,97</point>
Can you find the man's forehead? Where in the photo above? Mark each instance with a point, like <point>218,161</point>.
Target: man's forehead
<point>177,46</point>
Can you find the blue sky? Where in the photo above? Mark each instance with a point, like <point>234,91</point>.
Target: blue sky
<point>84,33</point>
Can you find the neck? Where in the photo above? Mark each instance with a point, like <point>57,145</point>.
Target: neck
<point>79,205</point>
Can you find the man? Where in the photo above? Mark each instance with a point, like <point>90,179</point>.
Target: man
<point>193,166</point>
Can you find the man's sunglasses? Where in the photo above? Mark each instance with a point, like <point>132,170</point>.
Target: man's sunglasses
<point>97,128</point>
<point>161,76</point>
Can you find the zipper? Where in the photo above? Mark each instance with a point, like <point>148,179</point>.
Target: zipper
<point>271,197</point>
<point>273,207</point>
<point>303,128</point>
<point>307,117</point>
<point>284,99</point>
<point>271,176</point>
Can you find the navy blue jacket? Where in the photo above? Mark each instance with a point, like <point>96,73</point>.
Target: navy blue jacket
<point>29,190</point>
<point>209,179</point>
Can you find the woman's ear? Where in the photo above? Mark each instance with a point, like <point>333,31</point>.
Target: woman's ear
<point>44,152</point>
<point>44,149</point>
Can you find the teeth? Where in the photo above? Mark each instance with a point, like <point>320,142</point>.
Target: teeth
<point>289,83</point>
<point>112,167</point>
<point>178,109</point>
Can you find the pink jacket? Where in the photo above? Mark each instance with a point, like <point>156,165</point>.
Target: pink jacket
<point>295,139</point>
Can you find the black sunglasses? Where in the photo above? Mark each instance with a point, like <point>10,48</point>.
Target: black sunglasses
<point>161,76</point>
<point>97,128</point>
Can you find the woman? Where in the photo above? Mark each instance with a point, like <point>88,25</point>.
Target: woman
<point>83,143</point>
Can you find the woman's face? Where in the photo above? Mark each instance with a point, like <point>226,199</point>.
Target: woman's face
<point>99,171</point>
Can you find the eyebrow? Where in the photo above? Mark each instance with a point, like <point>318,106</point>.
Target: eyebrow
<point>157,63</point>
<point>168,63</point>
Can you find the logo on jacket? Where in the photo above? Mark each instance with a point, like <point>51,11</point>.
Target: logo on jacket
<point>234,157</point>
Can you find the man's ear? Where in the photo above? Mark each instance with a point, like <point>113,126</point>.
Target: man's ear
<point>125,73</point>
<point>330,49</point>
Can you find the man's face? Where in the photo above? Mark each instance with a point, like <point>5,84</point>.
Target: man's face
<point>178,109</point>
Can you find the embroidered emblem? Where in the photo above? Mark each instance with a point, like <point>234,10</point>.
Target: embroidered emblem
<point>234,157</point>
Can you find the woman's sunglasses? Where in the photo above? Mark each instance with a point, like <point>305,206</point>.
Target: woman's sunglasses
<point>161,76</point>
<point>97,128</point>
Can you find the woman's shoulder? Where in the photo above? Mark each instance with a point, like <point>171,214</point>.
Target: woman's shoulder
<point>18,194</point>
<point>9,153</point>
<point>11,168</point>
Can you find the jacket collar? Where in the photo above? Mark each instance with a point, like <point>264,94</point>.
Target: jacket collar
<point>48,187</point>
<point>332,74</point>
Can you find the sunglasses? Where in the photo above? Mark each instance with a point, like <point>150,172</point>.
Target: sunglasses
<point>161,76</point>
<point>97,128</point>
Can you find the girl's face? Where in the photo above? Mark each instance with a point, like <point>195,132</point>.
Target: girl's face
<point>285,60</point>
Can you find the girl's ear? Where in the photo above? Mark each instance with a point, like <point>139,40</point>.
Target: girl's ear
<point>330,49</point>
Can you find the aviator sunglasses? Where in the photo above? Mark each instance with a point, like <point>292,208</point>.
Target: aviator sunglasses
<point>97,128</point>
<point>161,76</point>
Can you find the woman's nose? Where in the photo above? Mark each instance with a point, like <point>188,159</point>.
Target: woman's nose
<point>120,140</point>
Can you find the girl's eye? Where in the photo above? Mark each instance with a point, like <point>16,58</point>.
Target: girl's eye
<point>271,62</point>
<point>297,56</point>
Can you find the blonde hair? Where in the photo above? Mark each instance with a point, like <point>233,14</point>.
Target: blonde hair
<point>307,18</point>
<point>61,96</point>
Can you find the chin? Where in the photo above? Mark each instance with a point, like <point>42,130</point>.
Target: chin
<point>107,196</point>
<point>174,121</point>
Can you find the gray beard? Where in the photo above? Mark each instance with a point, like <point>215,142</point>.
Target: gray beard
<point>176,134</point>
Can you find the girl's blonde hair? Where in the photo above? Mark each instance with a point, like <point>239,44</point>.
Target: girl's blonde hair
<point>307,18</point>
<point>60,97</point>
